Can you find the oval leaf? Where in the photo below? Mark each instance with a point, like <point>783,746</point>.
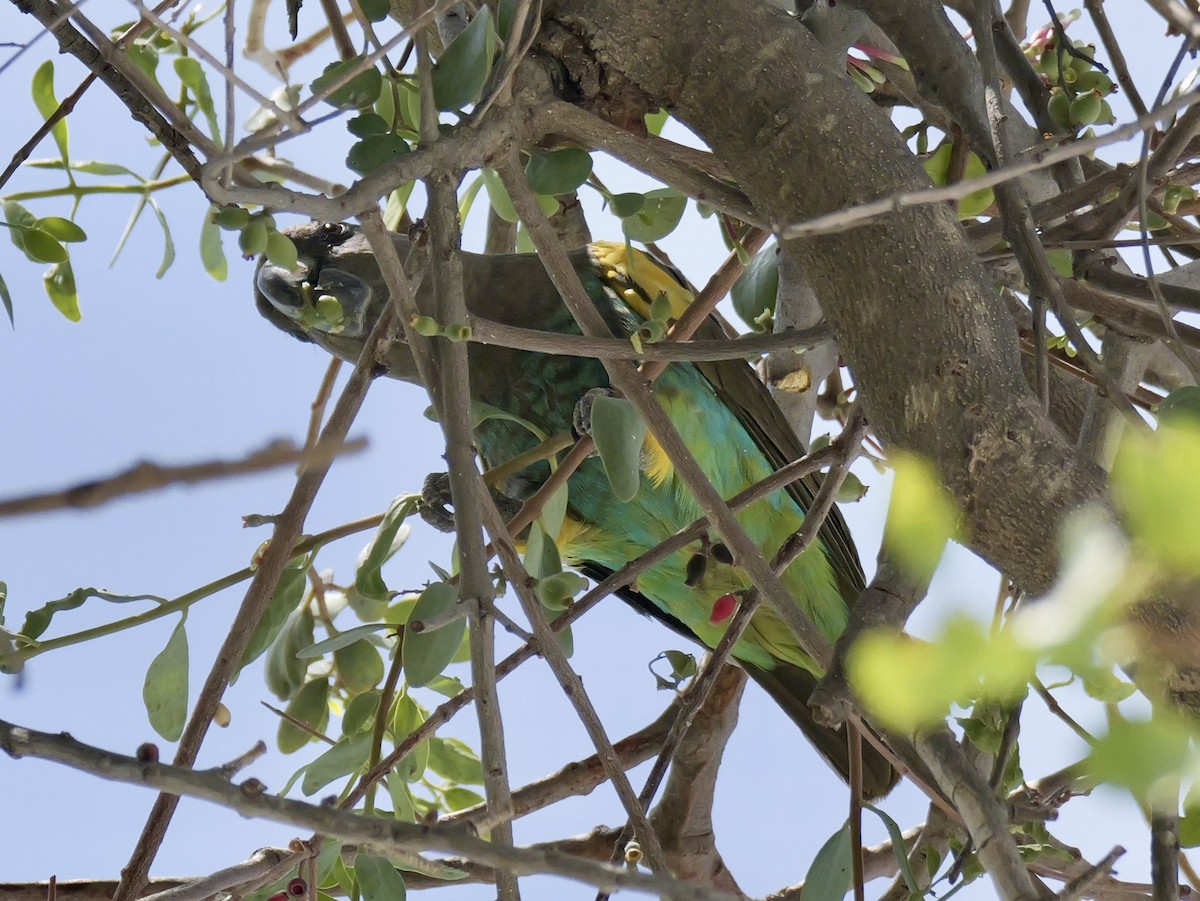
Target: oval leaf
<point>463,68</point>
<point>342,759</point>
<point>558,171</point>
<point>660,213</point>
<point>311,707</point>
<point>426,654</point>
<point>828,878</point>
<point>166,687</point>
<point>360,91</point>
<point>755,290</point>
<point>378,880</point>
<point>619,432</point>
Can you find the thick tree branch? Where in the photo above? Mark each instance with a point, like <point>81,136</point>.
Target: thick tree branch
<point>383,835</point>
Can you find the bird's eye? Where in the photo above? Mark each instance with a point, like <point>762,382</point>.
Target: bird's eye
<point>333,233</point>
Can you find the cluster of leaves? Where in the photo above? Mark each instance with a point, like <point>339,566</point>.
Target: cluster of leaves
<point>1081,627</point>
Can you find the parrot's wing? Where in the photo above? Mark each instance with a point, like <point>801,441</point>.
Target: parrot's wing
<point>789,686</point>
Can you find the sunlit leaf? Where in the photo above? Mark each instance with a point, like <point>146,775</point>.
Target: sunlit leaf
<point>212,254</point>
<point>63,229</point>
<point>921,516</point>
<point>42,88</point>
<point>1157,485</point>
<point>498,196</point>
<point>59,283</point>
<point>1140,755</point>
<point>191,73</point>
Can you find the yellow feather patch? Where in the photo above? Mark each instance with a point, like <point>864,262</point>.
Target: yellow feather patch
<point>572,530</point>
<point>655,462</point>
<point>621,263</point>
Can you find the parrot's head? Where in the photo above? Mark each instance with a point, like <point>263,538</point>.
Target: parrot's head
<point>334,295</point>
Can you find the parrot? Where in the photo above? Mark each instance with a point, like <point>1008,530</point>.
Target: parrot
<point>722,410</point>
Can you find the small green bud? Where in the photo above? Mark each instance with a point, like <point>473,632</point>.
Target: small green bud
<point>427,326</point>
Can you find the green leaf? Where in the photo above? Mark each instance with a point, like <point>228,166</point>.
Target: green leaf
<point>281,251</point>
<point>42,88</point>
<point>393,213</point>
<point>288,594</point>
<point>165,690</point>
<point>498,196</point>
<point>375,10</point>
<point>341,640</point>
<point>1142,756</point>
<point>42,247</point>
<point>369,123</point>
<point>908,684</point>
<point>426,654</point>
<point>828,878</point>
<point>464,66</point>
<point>360,712</point>
<point>359,666</point>
<point>554,512</point>
<point>63,229</point>
<point>541,553</point>
<point>556,591</point>
<point>1181,405</point>
<point>898,849</point>
<point>388,538</point>
<point>168,243</point>
<point>921,516</point>
<point>37,621</point>
<point>754,292</point>
<point>378,880</point>
<point>285,671</point>
<point>344,758</point>
<point>619,432</point>
<point>453,760</point>
<point>59,283</point>
<point>458,798</point>
<point>937,166</point>
<point>191,73</point>
<point>311,707</point>
<point>374,151</point>
<point>558,171</point>
<point>360,92</point>
<point>212,254</point>
<point>6,299</point>
<point>656,120</point>
<point>626,205</point>
<point>1157,485</point>
<point>660,213</point>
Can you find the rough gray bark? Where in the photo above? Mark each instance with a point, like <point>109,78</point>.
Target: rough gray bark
<point>909,282</point>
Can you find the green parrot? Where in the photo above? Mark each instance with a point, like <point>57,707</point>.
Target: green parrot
<point>723,412</point>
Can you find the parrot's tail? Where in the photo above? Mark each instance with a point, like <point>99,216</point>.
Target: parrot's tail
<point>790,687</point>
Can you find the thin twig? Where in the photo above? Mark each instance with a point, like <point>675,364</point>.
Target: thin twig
<point>146,476</point>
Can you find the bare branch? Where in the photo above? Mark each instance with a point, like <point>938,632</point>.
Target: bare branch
<point>146,476</point>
